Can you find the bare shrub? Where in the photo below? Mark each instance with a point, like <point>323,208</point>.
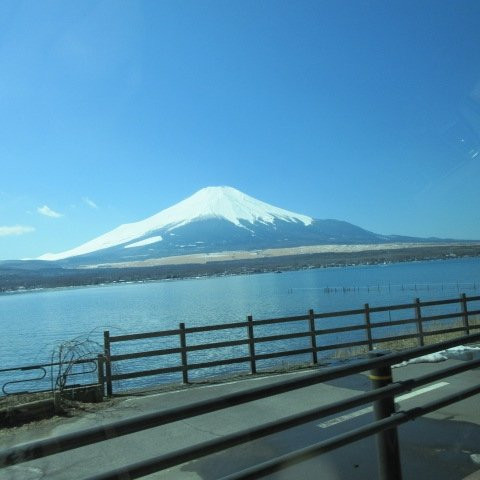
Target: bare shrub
<point>69,356</point>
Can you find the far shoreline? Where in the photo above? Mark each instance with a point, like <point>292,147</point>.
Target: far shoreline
<point>30,281</point>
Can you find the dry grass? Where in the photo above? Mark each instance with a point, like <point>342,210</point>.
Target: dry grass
<point>350,352</point>
<point>20,398</point>
<point>396,345</point>
<point>474,320</point>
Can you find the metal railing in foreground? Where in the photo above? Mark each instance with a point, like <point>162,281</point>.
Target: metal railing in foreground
<point>43,448</point>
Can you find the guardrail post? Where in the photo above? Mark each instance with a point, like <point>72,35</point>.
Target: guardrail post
<point>463,299</point>
<point>389,467</point>
<point>311,321</point>
<point>183,346</point>
<point>100,371</point>
<point>251,345</point>
<point>108,363</point>
<point>368,326</point>
<point>418,317</point>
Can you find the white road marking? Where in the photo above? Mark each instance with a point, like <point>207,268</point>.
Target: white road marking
<point>363,411</point>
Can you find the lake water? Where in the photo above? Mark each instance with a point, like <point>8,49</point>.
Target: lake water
<point>35,323</point>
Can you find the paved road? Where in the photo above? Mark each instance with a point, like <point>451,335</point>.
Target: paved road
<point>441,446</point>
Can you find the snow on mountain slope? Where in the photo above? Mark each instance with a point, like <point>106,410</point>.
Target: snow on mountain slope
<point>211,202</point>
<point>148,241</point>
<point>227,203</point>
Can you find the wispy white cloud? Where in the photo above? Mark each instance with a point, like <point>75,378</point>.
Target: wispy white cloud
<point>48,212</point>
<point>15,230</point>
<point>89,202</point>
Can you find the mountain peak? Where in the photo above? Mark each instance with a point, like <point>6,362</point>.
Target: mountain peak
<point>230,204</point>
<point>212,220</point>
<point>222,202</point>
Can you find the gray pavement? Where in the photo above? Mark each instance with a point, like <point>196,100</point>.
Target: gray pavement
<point>443,445</point>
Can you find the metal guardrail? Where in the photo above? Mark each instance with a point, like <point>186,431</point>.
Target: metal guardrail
<point>42,375</point>
<point>313,334</point>
<point>43,368</point>
<point>43,448</point>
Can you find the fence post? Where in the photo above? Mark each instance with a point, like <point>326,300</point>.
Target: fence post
<point>101,376</point>
<point>389,467</point>
<point>183,346</point>
<point>368,326</point>
<point>313,337</point>
<point>108,363</point>
<point>418,317</point>
<point>251,345</point>
<point>463,299</point>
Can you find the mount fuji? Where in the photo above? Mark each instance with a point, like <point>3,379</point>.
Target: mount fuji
<point>216,219</point>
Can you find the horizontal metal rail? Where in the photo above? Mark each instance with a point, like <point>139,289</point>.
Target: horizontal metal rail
<point>46,447</point>
<point>394,323</point>
<point>148,353</point>
<point>145,373</point>
<point>271,321</point>
<point>228,441</point>
<point>432,303</point>
<point>448,315</point>
<point>221,326</point>
<point>338,441</point>
<point>205,346</point>
<point>54,364</point>
<point>217,363</point>
<point>282,336</point>
<point>344,313</point>
<point>43,373</point>
<point>41,376</point>
<point>427,333</point>
<point>140,336</point>
<point>443,316</point>
<point>403,306</point>
<point>348,328</point>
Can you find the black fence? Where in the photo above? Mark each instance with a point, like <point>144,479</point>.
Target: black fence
<point>251,343</point>
<point>313,328</point>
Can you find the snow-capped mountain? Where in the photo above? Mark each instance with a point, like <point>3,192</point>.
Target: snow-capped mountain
<point>211,220</point>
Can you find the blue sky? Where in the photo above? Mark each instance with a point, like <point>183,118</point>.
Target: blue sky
<point>362,111</point>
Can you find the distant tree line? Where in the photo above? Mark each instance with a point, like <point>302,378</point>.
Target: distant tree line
<point>14,279</point>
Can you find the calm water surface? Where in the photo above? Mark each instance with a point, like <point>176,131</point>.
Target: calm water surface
<point>34,323</point>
